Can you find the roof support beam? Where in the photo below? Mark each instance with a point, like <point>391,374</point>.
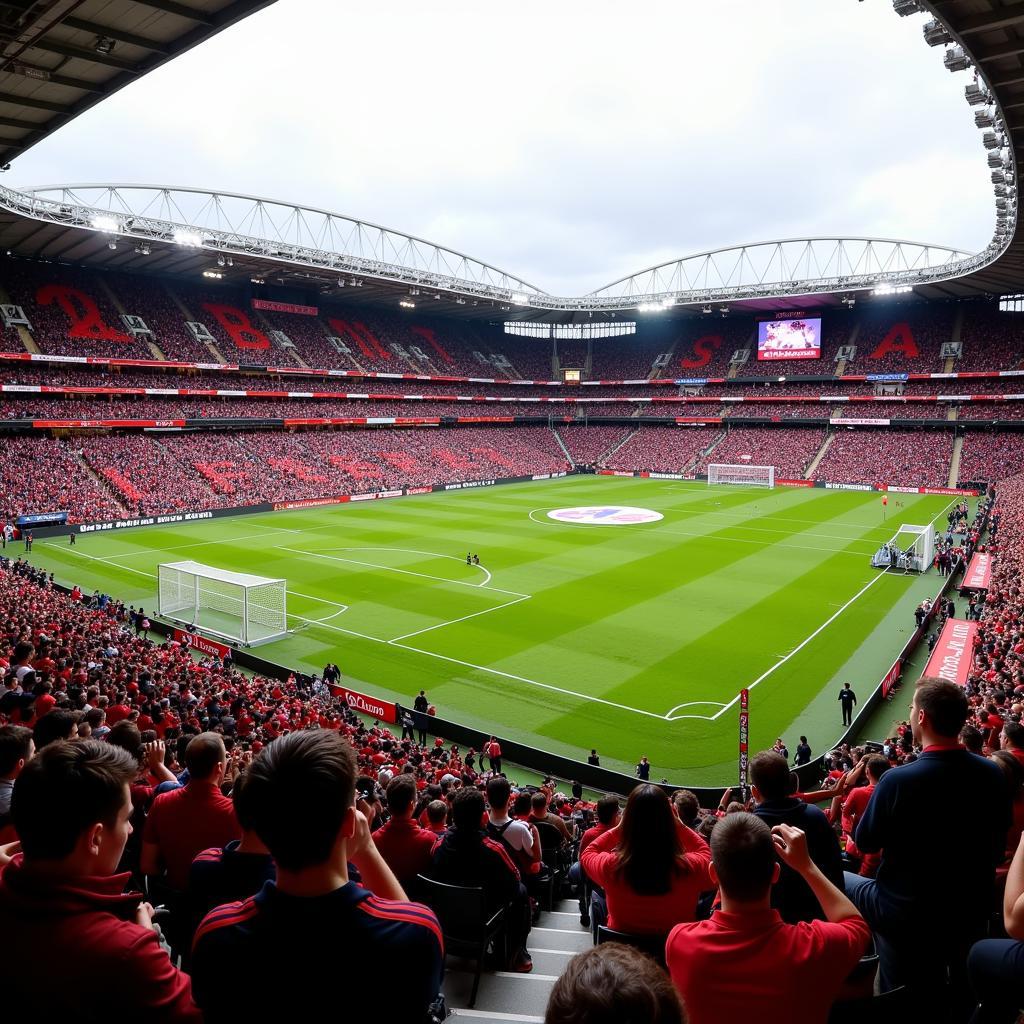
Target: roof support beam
<point>1011,14</point>
<point>38,74</point>
<point>34,104</point>
<point>170,7</point>
<point>91,56</point>
<point>82,25</point>
<point>1007,49</point>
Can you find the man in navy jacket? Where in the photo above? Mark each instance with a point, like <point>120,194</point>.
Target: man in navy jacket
<point>940,826</point>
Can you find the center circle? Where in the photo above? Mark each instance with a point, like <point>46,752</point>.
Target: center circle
<point>605,515</point>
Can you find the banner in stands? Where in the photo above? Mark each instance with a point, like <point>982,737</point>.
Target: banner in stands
<point>284,307</point>
<point>42,519</point>
<point>373,706</point>
<point>177,517</point>
<point>846,421</point>
<point>744,739</point>
<point>201,643</point>
<point>979,572</point>
<point>951,656</point>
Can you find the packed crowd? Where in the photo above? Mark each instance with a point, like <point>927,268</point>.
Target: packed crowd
<point>789,450</point>
<point>586,445</point>
<point>987,456</point>
<point>915,458</point>
<point>662,449</point>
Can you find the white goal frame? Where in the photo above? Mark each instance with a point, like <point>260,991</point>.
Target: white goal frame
<point>742,475</point>
<point>236,606</point>
<point>910,549</point>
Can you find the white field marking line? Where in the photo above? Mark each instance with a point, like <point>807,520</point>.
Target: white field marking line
<point>804,643</point>
<point>708,536</point>
<point>429,653</point>
<point>414,551</point>
<point>404,572</point>
<point>451,622</point>
<point>206,543</point>
<point>280,529</point>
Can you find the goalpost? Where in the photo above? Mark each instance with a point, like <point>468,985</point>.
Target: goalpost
<point>912,549</point>
<point>234,605</point>
<point>746,476</point>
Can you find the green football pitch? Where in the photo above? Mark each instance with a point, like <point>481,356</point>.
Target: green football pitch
<point>633,638</point>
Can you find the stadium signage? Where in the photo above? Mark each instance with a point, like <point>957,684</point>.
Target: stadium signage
<point>41,518</point>
<point>284,307</point>
<point>951,656</point>
<point>887,376</point>
<point>979,572</point>
<point>469,483</point>
<point>418,490</point>
<point>892,677</point>
<point>664,476</point>
<point>373,706</point>
<point>179,517</point>
<point>201,643</point>
<point>845,421</point>
<point>849,487</point>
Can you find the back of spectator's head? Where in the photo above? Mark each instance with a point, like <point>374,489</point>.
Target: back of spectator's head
<point>22,652</point>
<point>607,809</point>
<point>401,794</point>
<point>539,802</point>
<point>876,766</point>
<point>437,812</point>
<point>743,857</point>
<point>205,756</point>
<point>468,810</point>
<point>126,735</point>
<point>1014,734</point>
<point>1012,769</point>
<point>522,803</point>
<point>943,706</point>
<point>499,792</point>
<point>614,984</point>
<point>302,793</point>
<point>73,798</point>
<point>58,724</point>
<point>769,772</point>
<point>649,850</point>
<point>16,746</point>
<point>686,804</point>
<point>241,797</point>
<point>972,739</point>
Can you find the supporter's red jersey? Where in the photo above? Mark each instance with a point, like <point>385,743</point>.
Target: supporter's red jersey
<point>81,936</point>
<point>754,966</point>
<point>185,821</point>
<point>405,847</point>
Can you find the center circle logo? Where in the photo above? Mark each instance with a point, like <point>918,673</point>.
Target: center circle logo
<point>605,515</point>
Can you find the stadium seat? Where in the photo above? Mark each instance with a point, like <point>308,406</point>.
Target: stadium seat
<point>652,945</point>
<point>887,1005</point>
<point>467,928</point>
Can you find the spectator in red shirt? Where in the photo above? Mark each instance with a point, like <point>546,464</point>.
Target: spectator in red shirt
<point>651,866</point>
<point>406,848</point>
<point>873,767</point>
<point>67,907</point>
<point>607,818</point>
<point>185,821</point>
<point>745,961</point>
<point>437,817</point>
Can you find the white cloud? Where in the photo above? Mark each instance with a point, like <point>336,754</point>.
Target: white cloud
<point>570,143</point>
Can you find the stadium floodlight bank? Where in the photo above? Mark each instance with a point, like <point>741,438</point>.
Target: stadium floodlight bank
<point>743,475</point>
<point>244,609</point>
<point>912,549</point>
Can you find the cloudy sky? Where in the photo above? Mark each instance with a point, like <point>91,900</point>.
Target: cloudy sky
<point>569,143</point>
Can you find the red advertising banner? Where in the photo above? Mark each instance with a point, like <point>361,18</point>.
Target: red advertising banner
<point>892,677</point>
<point>979,572</point>
<point>284,307</point>
<point>952,654</point>
<point>201,643</point>
<point>381,709</point>
<point>744,739</point>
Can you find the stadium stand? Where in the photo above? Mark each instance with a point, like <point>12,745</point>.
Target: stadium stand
<point>789,450</point>
<point>918,458</point>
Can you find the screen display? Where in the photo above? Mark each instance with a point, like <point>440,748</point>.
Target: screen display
<point>789,339</point>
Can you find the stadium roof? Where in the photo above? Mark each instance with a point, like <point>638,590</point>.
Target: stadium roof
<point>186,231</point>
<point>60,57</point>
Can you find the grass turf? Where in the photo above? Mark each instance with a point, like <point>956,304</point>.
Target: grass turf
<point>632,639</point>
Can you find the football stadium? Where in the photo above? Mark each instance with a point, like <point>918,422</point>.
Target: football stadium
<point>578,652</point>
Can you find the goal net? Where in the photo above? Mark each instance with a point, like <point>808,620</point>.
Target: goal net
<point>745,476</point>
<point>233,605</point>
<point>911,549</point>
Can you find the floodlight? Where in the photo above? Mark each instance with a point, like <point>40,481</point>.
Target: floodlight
<point>104,222</point>
<point>104,44</point>
<point>936,34</point>
<point>406,304</point>
<point>216,275</point>
<point>905,7</point>
<point>984,119</point>
<point>220,261</point>
<point>520,298</point>
<point>977,96</point>
<point>111,244</point>
<point>183,236</point>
